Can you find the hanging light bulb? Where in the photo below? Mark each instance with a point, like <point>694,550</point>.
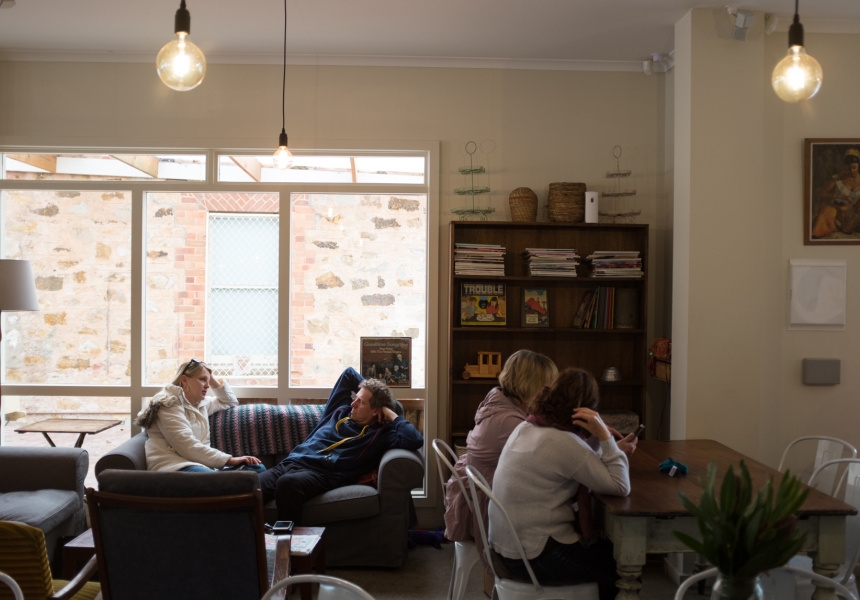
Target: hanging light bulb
<point>798,76</point>
<point>283,156</point>
<point>180,64</point>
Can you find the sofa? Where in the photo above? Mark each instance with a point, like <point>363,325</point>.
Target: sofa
<point>366,524</point>
<point>44,487</point>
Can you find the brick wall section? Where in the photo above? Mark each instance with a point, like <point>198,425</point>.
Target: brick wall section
<point>177,225</point>
<point>351,257</point>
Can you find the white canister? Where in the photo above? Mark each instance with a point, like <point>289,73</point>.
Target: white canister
<point>591,201</point>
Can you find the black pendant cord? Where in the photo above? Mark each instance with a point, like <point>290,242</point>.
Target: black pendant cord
<point>284,79</point>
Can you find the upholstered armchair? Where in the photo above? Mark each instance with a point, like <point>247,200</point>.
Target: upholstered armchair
<point>44,487</point>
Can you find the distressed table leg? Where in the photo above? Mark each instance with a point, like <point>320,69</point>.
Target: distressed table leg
<point>629,582</point>
<point>830,554</point>
<point>629,538</point>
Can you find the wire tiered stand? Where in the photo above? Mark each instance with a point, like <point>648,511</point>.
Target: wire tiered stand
<point>623,211</point>
<point>472,190</point>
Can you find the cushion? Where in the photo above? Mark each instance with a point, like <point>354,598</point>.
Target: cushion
<point>342,504</point>
<point>261,429</point>
<point>178,484</point>
<point>44,509</point>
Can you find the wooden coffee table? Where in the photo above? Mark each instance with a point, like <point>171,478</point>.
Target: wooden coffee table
<point>79,426</point>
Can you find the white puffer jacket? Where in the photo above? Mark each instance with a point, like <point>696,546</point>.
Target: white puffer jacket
<point>179,432</point>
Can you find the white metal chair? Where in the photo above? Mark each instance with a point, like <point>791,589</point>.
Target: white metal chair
<point>465,553</point>
<point>511,589</point>
<point>16,589</point>
<point>797,458</point>
<point>331,588</point>
<point>777,583</point>
<point>847,472</point>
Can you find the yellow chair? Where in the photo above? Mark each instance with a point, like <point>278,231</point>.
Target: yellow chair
<point>24,558</point>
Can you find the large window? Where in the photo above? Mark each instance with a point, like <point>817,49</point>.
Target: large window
<point>144,260</point>
<point>142,263</point>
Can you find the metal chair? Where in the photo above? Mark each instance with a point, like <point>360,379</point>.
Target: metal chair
<point>465,553</point>
<point>797,458</point>
<point>847,472</point>
<point>331,588</point>
<point>16,590</point>
<point>511,589</point>
<point>777,583</point>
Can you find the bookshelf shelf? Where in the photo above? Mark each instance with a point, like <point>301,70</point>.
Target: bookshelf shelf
<point>591,349</point>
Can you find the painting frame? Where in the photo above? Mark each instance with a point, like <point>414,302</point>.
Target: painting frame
<point>389,357</point>
<point>831,191</point>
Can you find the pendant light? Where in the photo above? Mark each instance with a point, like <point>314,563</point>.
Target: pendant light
<point>798,76</point>
<point>180,64</point>
<point>283,156</point>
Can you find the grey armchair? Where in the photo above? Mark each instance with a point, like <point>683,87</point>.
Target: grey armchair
<point>44,487</point>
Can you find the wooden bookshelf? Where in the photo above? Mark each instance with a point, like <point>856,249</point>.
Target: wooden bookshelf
<point>591,349</point>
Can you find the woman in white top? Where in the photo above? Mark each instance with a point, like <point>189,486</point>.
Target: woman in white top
<point>545,461</point>
<point>177,423</point>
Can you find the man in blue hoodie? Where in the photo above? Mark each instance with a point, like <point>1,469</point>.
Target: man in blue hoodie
<point>358,426</point>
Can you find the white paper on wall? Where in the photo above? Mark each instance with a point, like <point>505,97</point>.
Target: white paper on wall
<point>817,294</point>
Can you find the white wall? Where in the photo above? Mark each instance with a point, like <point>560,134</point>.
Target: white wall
<point>738,184</point>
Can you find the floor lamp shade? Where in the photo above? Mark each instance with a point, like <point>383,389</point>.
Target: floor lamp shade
<point>17,286</point>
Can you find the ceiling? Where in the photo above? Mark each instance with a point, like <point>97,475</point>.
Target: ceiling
<point>564,34</point>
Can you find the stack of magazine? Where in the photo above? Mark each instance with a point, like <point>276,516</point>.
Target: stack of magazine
<point>615,263</point>
<point>554,262</point>
<point>479,259</point>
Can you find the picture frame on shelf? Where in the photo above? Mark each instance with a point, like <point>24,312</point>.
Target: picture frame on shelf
<point>831,197</point>
<point>482,303</point>
<point>535,307</point>
<point>388,359</point>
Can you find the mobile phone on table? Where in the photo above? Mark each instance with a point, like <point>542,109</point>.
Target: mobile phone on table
<point>639,430</point>
<point>282,527</point>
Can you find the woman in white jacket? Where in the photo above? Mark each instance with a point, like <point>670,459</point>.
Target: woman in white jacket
<point>545,462</point>
<point>177,423</point>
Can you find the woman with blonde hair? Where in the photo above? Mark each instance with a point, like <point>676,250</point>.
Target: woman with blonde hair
<point>177,423</point>
<point>524,374</point>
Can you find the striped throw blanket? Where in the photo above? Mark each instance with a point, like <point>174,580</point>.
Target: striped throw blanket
<point>262,429</point>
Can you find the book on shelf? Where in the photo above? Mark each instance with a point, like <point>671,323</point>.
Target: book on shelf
<point>479,259</point>
<point>582,310</point>
<point>535,305</point>
<point>552,262</point>
<point>615,263</point>
<point>482,303</point>
<point>608,307</point>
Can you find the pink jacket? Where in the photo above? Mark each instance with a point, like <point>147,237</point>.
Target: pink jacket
<point>495,419</point>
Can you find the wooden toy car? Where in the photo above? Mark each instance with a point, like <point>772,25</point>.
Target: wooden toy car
<point>489,365</point>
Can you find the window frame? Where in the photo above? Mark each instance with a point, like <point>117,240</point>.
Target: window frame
<point>282,393</point>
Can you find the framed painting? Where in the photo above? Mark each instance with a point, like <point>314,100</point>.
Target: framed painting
<point>388,359</point>
<point>831,188</point>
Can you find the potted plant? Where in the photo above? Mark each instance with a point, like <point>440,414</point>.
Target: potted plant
<point>741,534</point>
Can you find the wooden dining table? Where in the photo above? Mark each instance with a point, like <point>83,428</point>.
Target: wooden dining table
<point>644,521</point>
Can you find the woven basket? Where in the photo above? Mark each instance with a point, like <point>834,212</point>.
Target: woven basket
<point>523,205</point>
<point>566,202</point>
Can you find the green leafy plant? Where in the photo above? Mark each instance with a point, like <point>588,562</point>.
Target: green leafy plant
<point>744,535</point>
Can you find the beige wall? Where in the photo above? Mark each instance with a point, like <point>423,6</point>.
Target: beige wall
<point>738,193</point>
